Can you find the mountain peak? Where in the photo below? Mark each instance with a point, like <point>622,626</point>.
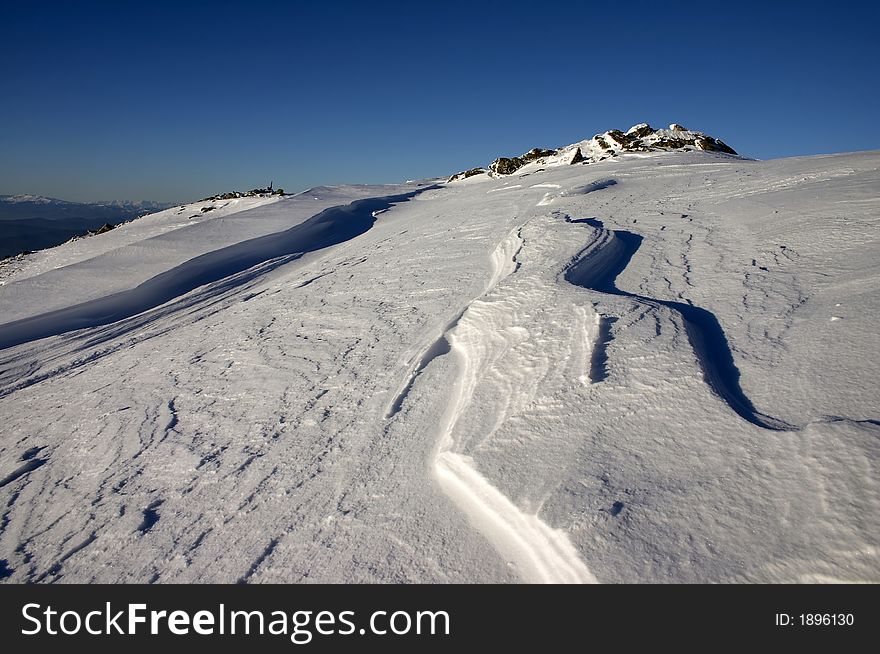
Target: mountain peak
<point>638,138</point>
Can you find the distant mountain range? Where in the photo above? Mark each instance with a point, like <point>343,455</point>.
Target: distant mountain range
<point>33,222</point>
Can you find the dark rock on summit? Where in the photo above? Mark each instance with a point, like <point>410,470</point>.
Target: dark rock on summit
<point>613,143</point>
<point>231,195</point>
<point>506,165</point>
<point>103,229</point>
<point>536,153</point>
<point>714,145</point>
<point>465,174</point>
<point>641,131</point>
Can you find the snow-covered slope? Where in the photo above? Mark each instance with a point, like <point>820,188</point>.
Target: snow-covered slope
<point>657,367</point>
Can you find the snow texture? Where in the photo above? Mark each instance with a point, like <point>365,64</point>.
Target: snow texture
<point>657,367</point>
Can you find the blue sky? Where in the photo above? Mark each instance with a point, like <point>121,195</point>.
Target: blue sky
<point>174,101</point>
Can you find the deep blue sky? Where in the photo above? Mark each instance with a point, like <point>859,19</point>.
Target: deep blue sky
<point>157,100</point>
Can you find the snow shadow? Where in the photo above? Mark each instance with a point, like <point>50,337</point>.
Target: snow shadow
<point>437,349</point>
<point>591,187</point>
<point>151,516</point>
<point>28,466</point>
<point>599,272</point>
<point>330,227</point>
<point>599,356</point>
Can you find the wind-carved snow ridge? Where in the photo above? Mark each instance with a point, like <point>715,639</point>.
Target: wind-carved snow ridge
<point>503,261</point>
<point>437,348</point>
<point>599,270</point>
<point>540,553</point>
<point>330,227</point>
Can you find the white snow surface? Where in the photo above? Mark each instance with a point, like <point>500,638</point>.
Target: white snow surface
<point>656,368</point>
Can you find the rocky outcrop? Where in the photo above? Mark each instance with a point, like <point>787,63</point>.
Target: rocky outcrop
<point>103,229</point>
<point>613,143</point>
<point>713,145</point>
<point>257,192</point>
<point>640,131</point>
<point>465,174</point>
<point>537,153</point>
<point>506,165</point>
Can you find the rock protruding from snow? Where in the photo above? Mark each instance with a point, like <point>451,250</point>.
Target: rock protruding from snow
<point>253,193</point>
<point>613,143</point>
<point>508,165</point>
<point>103,229</point>
<point>466,173</point>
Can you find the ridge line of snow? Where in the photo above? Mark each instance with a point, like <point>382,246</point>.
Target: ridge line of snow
<point>542,554</point>
<point>329,227</point>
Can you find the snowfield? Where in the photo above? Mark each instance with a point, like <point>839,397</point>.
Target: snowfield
<point>659,367</point>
